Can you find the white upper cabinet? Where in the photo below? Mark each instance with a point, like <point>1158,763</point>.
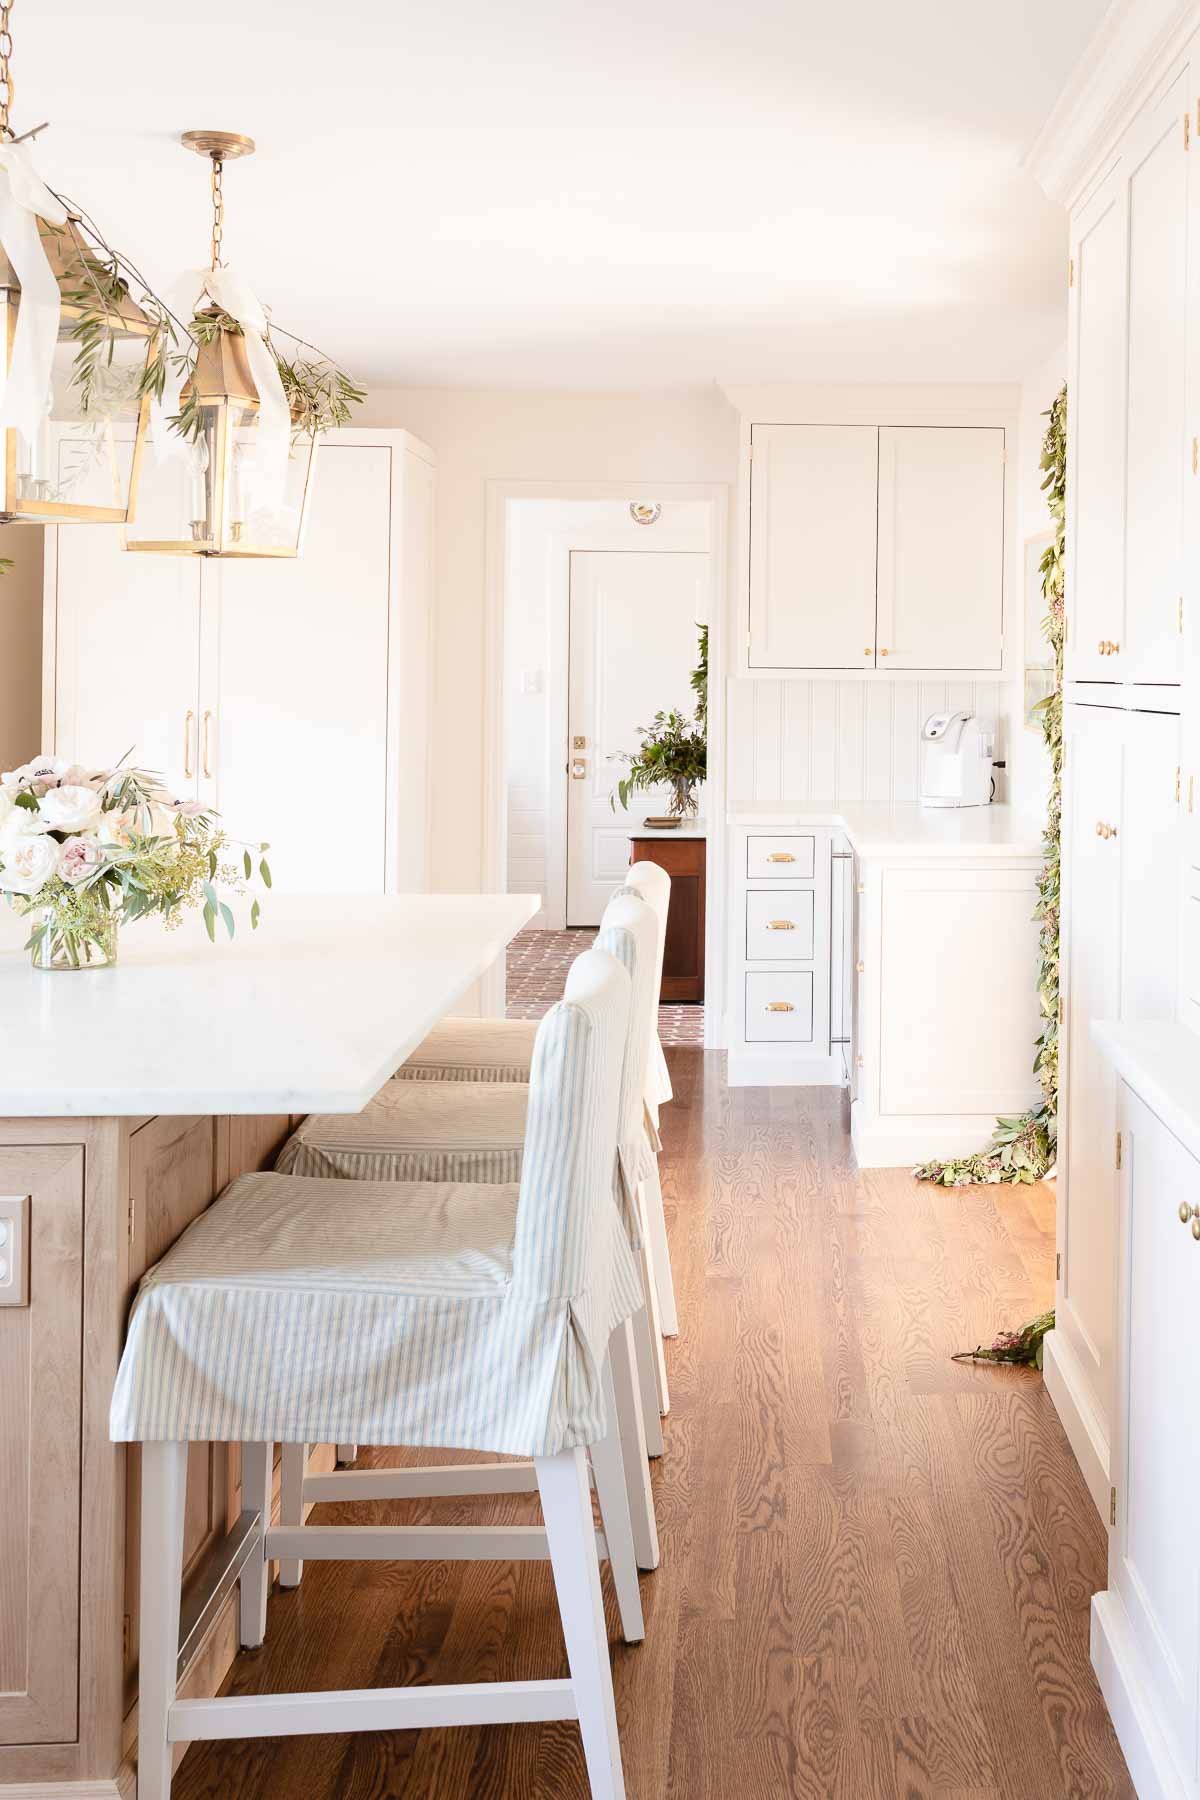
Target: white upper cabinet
<point>941,547</point>
<point>1096,431</point>
<point>876,548</point>
<point>812,546</point>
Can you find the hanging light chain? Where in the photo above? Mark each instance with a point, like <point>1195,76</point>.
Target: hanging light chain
<point>6,80</point>
<point>218,200</point>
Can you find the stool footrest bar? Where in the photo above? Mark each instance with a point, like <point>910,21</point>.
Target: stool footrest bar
<point>425,1483</point>
<point>413,1543</point>
<point>370,1709</point>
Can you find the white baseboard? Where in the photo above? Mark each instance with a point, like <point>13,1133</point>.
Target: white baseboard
<point>893,1143</point>
<point>1087,1432</point>
<point>767,1068</point>
<point>1128,1698</point>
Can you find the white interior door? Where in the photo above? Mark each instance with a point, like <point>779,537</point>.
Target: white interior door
<point>128,656</point>
<point>294,721</point>
<point>633,644</point>
<point>812,546</point>
<point>941,547</point>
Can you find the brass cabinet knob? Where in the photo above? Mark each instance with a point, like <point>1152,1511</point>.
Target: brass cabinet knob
<point>780,1006</point>
<point>1107,647</point>
<point>883,653</point>
<point>1105,831</point>
<point>781,856</point>
<point>1196,1230</point>
<point>867,651</point>
<point>781,925</point>
<point>1187,1212</point>
<point>860,967</point>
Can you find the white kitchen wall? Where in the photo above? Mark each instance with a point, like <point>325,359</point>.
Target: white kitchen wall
<point>825,743</point>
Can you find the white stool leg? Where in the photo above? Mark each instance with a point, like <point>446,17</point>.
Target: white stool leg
<point>650,1289</point>
<point>257,1460</point>
<point>164,1485</point>
<point>293,1461</point>
<point>643,1338</point>
<point>656,1227</point>
<point>608,1472</point>
<point>622,1361</point>
<point>567,1510</point>
<point>347,1453</point>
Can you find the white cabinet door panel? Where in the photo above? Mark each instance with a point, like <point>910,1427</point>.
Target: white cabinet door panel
<point>1151,831</point>
<point>128,634</point>
<point>1096,429</point>
<point>941,547</point>
<point>812,546</point>
<point>1155,1560</point>
<point>1092,782</point>
<point>1158,273</point>
<point>295,679</point>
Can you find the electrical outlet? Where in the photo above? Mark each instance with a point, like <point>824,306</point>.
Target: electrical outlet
<point>14,1249</point>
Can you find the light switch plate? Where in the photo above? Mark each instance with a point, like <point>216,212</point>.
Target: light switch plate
<point>14,1249</point>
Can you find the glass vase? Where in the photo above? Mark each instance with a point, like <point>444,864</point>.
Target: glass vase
<point>57,946</point>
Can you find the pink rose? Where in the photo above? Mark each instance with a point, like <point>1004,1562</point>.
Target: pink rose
<point>79,859</point>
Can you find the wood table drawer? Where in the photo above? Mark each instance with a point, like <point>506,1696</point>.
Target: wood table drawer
<point>781,924</point>
<point>779,1008</point>
<point>785,856</point>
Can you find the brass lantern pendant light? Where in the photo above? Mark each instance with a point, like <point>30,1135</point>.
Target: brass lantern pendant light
<point>81,356</point>
<point>234,440</point>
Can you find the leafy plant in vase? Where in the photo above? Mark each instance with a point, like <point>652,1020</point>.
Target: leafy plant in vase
<point>674,750</point>
<point>83,852</point>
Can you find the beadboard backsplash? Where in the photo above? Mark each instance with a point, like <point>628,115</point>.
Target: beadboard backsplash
<point>819,743</point>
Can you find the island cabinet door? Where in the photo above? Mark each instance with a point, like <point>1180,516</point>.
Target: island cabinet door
<point>41,1343</point>
<point>1154,1553</point>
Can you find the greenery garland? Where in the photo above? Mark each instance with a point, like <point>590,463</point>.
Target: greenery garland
<point>1024,1148</point>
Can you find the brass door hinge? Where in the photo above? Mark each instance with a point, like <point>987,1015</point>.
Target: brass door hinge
<point>1071,273</point>
<point>1187,130</point>
<point>1112,1506</point>
<point>1058,1267</point>
<point>748,638</point>
<point>1118,1149</point>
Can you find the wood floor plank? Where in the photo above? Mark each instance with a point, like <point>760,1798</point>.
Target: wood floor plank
<point>877,1564</point>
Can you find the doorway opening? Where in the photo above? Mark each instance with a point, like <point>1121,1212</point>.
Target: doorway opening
<point>602,606</point>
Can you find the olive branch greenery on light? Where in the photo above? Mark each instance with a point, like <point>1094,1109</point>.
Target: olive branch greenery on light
<point>674,748</point>
<point>319,394</point>
<point>1023,1149</point>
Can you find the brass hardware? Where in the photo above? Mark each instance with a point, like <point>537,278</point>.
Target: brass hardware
<point>1187,130</point>
<point>578,770</point>
<point>1062,1009</point>
<point>1178,782</point>
<point>1099,829</point>
<point>1195,454</point>
<point>1112,1506</point>
<point>861,967</point>
<point>1108,648</point>
<point>1058,1267</point>
<point>204,751</point>
<point>781,925</point>
<point>1196,1230</point>
<point>1187,1213</point>
<point>1102,647</point>
<point>867,651</point>
<point>781,856</point>
<point>1071,273</point>
<point>1118,1149</point>
<point>780,1006</point>
<point>579,743</point>
<point>862,887</point>
<point>1105,831</point>
<point>883,653</point>
<point>858,1062</point>
<point>189,721</point>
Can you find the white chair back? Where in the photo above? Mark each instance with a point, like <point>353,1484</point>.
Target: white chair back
<point>629,931</point>
<point>652,884</point>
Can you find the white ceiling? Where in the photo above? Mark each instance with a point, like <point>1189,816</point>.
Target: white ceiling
<point>560,193</point>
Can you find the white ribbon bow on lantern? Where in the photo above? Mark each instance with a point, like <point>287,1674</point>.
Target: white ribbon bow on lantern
<point>24,198</point>
<point>273,438</point>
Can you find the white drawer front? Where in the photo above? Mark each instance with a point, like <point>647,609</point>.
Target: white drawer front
<point>783,856</point>
<point>779,1008</point>
<point>781,925</point>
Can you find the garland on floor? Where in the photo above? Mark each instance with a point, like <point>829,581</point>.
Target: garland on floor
<point>1024,1346</point>
<point>1023,1149</point>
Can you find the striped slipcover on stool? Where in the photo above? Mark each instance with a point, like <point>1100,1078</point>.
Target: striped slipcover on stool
<point>461,1316</point>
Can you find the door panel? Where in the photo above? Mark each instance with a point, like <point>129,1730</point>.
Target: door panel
<point>128,656</point>
<point>941,547</point>
<point>1150,827</point>
<point>1096,424</point>
<point>812,546</point>
<point>633,644</point>
<point>1158,257</point>
<point>294,717</point>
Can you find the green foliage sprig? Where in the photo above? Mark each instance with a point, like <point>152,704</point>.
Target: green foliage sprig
<point>319,394</point>
<point>674,748</point>
<point>1024,1148</point>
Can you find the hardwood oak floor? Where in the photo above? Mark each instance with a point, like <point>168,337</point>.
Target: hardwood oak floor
<point>876,1563</point>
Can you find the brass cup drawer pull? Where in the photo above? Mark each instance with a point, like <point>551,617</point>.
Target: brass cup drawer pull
<point>1107,647</point>
<point>781,925</point>
<point>781,856</point>
<point>1105,831</point>
<point>780,1006</point>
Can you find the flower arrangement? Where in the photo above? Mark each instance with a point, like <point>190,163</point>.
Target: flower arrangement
<point>82,851</point>
<point>674,749</point>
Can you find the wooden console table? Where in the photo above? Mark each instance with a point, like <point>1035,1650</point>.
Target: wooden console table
<point>682,854</point>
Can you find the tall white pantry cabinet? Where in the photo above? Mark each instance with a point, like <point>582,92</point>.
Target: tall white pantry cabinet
<point>1122,153</point>
<point>291,696</point>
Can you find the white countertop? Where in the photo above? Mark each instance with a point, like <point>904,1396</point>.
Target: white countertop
<point>1161,1062</point>
<point>900,831</point>
<point>695,828</point>
<point>310,1013</point>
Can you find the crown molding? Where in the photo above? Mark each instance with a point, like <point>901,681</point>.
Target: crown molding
<point>1129,51</point>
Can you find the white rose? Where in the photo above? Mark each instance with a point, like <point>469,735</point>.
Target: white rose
<point>121,827</point>
<point>79,858</point>
<point>28,863</point>
<point>20,822</point>
<point>39,774</point>
<point>70,808</point>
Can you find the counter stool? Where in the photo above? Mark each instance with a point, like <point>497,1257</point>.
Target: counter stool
<point>456,1131</point>
<point>458,1316</point>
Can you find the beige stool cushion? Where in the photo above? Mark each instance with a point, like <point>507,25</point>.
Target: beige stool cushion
<point>456,1131</point>
<point>473,1050</point>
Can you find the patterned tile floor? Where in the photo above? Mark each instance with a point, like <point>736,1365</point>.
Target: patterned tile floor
<point>537,969</point>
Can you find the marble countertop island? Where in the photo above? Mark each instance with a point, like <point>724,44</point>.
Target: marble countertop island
<point>900,831</point>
